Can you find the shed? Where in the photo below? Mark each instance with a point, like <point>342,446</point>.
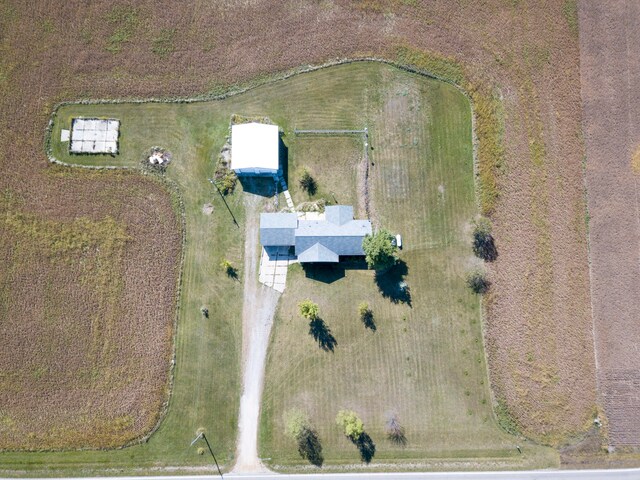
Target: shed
<point>254,149</point>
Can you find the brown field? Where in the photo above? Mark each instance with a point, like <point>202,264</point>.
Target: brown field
<point>87,313</point>
<point>610,90</point>
<point>538,328</point>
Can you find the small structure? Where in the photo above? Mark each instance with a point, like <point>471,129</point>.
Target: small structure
<point>321,240</point>
<point>254,149</point>
<point>94,135</point>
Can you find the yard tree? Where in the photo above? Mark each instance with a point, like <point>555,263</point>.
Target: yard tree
<point>308,309</point>
<point>299,428</point>
<point>350,423</point>
<point>379,250</point>
<point>484,246</point>
<point>308,183</point>
<point>477,281</point>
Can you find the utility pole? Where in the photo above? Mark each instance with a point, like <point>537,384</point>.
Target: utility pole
<point>204,437</point>
<point>225,201</point>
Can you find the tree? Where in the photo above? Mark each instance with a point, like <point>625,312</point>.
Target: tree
<point>350,423</point>
<point>308,309</point>
<point>366,315</point>
<point>299,428</point>
<point>395,431</point>
<point>484,246</point>
<point>379,250</point>
<point>477,281</point>
<point>308,183</point>
<point>229,269</point>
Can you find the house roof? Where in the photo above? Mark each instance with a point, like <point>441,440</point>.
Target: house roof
<point>320,240</point>
<point>254,147</point>
<point>339,214</point>
<point>278,229</point>
<point>318,253</point>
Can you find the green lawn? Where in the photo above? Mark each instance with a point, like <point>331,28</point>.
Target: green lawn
<point>425,361</point>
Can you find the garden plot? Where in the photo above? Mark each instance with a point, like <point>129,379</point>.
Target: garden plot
<point>94,135</point>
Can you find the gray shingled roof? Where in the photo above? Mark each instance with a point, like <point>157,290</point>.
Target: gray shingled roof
<point>316,240</point>
<point>338,214</point>
<point>318,253</point>
<point>277,229</point>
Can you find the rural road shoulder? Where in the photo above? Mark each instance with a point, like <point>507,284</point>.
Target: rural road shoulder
<point>620,474</point>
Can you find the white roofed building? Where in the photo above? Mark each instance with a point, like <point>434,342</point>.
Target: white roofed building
<point>255,149</point>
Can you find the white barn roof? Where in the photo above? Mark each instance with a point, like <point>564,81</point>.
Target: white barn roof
<point>254,149</point>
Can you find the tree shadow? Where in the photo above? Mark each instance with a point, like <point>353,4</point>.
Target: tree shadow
<point>322,334</point>
<point>366,447</point>
<point>232,273</point>
<point>367,319</point>
<point>310,448</point>
<point>392,284</point>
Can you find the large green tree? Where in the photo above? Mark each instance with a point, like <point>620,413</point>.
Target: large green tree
<point>380,250</point>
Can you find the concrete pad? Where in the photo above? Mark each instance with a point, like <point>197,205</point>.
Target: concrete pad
<point>65,135</point>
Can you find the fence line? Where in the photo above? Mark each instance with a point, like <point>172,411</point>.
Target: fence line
<point>329,132</point>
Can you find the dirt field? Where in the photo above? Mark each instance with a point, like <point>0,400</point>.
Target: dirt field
<point>85,358</point>
<point>59,52</point>
<point>610,92</point>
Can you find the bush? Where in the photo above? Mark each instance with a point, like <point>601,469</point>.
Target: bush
<point>350,423</point>
<point>308,309</point>
<point>308,183</point>
<point>477,281</point>
<point>205,312</point>
<point>483,243</point>
<point>229,269</point>
<point>366,315</point>
<point>380,251</point>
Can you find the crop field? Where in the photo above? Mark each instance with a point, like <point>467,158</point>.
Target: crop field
<point>612,137</point>
<point>85,362</point>
<point>425,360</point>
<point>529,76</point>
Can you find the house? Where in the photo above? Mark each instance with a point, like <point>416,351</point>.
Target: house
<point>321,240</point>
<point>255,149</point>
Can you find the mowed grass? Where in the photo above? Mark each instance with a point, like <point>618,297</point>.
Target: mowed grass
<point>425,361</point>
<point>369,371</point>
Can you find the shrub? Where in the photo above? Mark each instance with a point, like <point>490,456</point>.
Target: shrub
<point>380,251</point>
<point>395,431</point>
<point>308,183</point>
<point>477,281</point>
<point>229,269</point>
<point>350,423</point>
<point>483,243</point>
<point>308,309</point>
<point>205,312</point>
<point>366,315</point>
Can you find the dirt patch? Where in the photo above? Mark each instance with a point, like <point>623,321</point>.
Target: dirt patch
<point>207,209</point>
<point>610,85</point>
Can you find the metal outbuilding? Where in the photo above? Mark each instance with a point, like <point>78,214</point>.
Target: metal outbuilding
<point>254,149</point>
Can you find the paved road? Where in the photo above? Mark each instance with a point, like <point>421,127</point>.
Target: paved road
<point>627,474</point>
